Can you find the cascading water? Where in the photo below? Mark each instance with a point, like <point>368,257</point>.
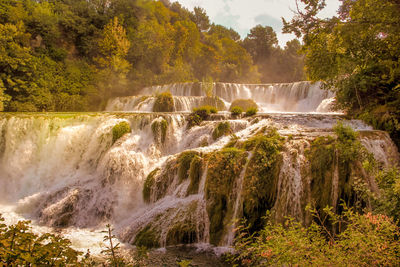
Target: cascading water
<point>63,170</point>
<point>288,97</point>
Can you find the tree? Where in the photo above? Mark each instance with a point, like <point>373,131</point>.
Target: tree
<point>357,55</point>
<point>199,16</point>
<point>113,48</point>
<point>260,42</point>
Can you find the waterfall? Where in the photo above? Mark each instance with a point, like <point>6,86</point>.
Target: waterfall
<point>287,97</point>
<point>64,170</point>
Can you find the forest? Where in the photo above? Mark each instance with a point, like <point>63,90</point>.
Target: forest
<point>73,55</point>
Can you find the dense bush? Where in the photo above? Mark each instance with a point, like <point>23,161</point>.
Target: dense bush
<point>200,114</point>
<point>365,240</point>
<point>236,111</point>
<point>251,112</point>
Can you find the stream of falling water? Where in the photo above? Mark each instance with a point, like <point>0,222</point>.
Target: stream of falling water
<point>63,171</point>
<point>236,207</point>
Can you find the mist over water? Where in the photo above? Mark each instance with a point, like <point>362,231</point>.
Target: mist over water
<point>63,170</point>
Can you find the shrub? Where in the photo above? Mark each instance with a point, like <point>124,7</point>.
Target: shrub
<point>120,130</point>
<point>20,247</point>
<point>251,112</point>
<point>164,102</point>
<point>367,240</point>
<point>245,104</point>
<point>200,114</point>
<point>223,128</point>
<point>235,111</point>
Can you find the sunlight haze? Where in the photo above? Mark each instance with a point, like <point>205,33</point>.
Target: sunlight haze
<point>244,15</point>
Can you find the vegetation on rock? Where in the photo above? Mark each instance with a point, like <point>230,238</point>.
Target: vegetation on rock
<point>164,102</point>
<point>236,111</point>
<point>244,104</point>
<point>222,129</point>
<point>120,130</point>
<point>223,169</point>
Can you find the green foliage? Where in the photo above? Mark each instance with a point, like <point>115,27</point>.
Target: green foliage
<point>148,185</point>
<point>364,71</point>
<point>200,114</point>
<point>244,104</point>
<point>184,162</point>
<point>367,240</point>
<point>274,64</point>
<point>236,111</point>
<point>19,246</point>
<point>388,202</point>
<point>112,251</point>
<point>251,112</point>
<point>120,130</point>
<point>222,129</point>
<point>223,169</point>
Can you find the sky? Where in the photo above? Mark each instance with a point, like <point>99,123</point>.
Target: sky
<point>242,15</point>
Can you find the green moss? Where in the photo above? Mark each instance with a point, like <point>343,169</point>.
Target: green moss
<point>148,185</point>
<point>164,102</point>
<point>245,104</point>
<point>233,142</point>
<point>195,172</point>
<point>235,111</point>
<point>222,129</point>
<point>148,238</point>
<point>260,184</point>
<point>184,160</point>
<point>322,158</point>
<point>120,130</point>
<point>159,129</point>
<point>182,233</point>
<point>251,112</point>
<point>204,142</point>
<point>224,167</point>
<point>200,114</point>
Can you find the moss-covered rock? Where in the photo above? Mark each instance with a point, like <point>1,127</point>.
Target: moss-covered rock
<point>148,238</point>
<point>182,233</point>
<point>164,102</point>
<point>148,185</point>
<point>245,104</point>
<point>222,129</point>
<point>224,167</point>
<point>120,130</point>
<point>213,101</point>
<point>195,173</point>
<point>260,184</point>
<point>184,160</point>
<point>159,129</point>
